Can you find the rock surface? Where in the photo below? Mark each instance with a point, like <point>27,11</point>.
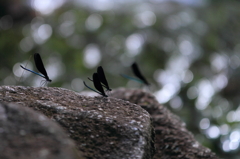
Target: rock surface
<point>101,127</point>
<point>172,139</point>
<point>25,134</point>
<point>109,127</point>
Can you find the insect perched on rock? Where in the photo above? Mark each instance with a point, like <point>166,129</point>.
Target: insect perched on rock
<point>137,73</point>
<point>97,85</point>
<point>40,67</point>
<point>102,78</point>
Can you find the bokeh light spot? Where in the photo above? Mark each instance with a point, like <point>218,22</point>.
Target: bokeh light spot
<point>166,93</point>
<point>233,145</point>
<point>93,22</point>
<point>26,44</point>
<point>77,84</point>
<point>206,92</point>
<point>204,123</point>
<point>41,34</point>
<point>92,56</point>
<point>213,132</point>
<point>46,6</point>
<point>231,116</point>
<point>192,92</point>
<point>186,47</point>
<point>144,19</point>
<point>176,103</point>
<point>66,29</point>
<point>224,129</point>
<point>55,68</point>
<point>235,136</point>
<point>134,44</point>
<point>45,31</point>
<point>218,62</point>
<point>187,76</point>
<point>219,81</point>
<point>225,146</point>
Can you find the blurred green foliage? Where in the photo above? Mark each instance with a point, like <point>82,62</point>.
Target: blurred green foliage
<point>189,54</point>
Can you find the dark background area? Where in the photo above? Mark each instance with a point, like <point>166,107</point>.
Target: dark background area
<point>189,52</point>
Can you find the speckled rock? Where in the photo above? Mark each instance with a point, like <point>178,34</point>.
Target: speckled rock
<point>101,127</point>
<point>172,139</point>
<point>25,134</point>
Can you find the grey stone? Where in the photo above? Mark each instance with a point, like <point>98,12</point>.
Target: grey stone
<point>172,139</point>
<point>101,127</point>
<point>25,134</point>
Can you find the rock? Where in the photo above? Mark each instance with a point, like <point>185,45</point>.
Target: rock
<point>172,139</point>
<point>25,134</point>
<point>101,127</point>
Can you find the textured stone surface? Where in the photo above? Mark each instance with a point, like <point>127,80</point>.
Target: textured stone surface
<point>101,127</point>
<point>172,139</point>
<point>25,134</point>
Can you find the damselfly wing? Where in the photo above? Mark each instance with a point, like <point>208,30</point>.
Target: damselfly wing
<point>102,78</point>
<point>137,73</point>
<point>140,78</point>
<point>97,85</point>
<point>40,67</point>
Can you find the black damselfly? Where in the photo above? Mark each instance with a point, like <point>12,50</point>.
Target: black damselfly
<point>40,67</point>
<point>97,85</point>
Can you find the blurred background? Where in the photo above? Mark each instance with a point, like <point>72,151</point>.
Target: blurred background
<point>189,50</point>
